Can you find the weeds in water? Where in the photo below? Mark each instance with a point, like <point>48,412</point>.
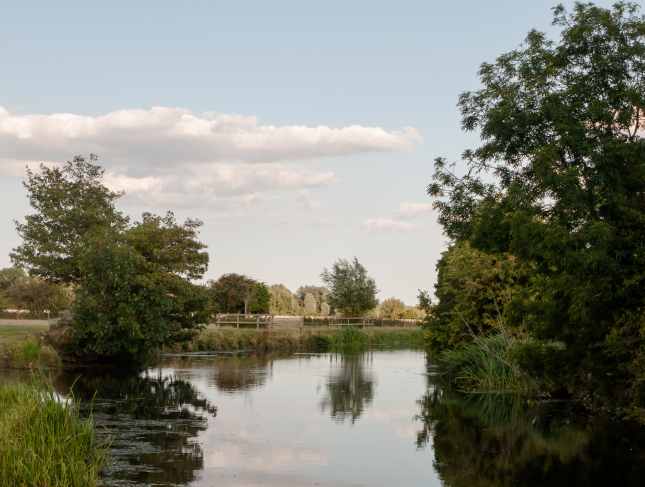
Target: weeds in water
<point>487,364</point>
<point>44,440</point>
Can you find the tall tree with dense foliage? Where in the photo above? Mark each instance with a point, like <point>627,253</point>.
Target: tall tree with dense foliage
<point>235,293</point>
<point>558,183</point>
<point>133,281</point>
<point>351,290</point>
<point>69,202</point>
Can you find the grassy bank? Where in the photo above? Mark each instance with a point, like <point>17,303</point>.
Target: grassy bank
<point>44,441</point>
<point>302,340</point>
<point>22,348</point>
<point>501,363</point>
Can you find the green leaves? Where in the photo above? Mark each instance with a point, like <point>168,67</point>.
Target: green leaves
<point>351,290</point>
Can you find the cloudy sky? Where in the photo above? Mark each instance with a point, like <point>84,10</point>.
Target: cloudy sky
<point>299,132</point>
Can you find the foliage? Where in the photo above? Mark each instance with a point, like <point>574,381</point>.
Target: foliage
<point>39,296</point>
<point>133,280</point>
<point>310,307</point>
<point>282,301</point>
<point>130,303</point>
<point>352,291</point>
<point>392,309</point>
<point>45,442</point>
<point>69,202</point>
<point>301,340</point>
<point>558,184</point>
<point>320,295</point>
<point>474,293</point>
<point>235,293</point>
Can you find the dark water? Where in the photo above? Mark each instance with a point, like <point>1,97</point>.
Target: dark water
<point>376,419</point>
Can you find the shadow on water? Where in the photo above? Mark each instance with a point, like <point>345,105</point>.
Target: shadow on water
<point>350,387</point>
<point>151,422</point>
<point>485,440</point>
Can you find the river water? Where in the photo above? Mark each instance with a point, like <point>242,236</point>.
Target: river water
<point>373,419</point>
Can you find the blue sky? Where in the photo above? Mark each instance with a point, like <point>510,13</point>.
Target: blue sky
<point>299,132</point>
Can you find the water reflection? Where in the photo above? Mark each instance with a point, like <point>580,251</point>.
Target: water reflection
<point>228,373</point>
<point>151,422</point>
<point>487,440</point>
<point>350,387</point>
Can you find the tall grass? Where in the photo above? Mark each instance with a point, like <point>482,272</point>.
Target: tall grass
<point>487,364</point>
<point>45,443</point>
<point>302,340</point>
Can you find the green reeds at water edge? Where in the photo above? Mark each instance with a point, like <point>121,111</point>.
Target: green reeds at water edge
<point>45,442</point>
<point>497,363</point>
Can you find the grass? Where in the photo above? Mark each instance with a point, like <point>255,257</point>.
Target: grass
<point>44,441</point>
<point>487,364</point>
<point>21,348</point>
<point>302,340</point>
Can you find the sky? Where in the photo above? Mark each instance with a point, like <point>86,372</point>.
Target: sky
<point>298,132</point>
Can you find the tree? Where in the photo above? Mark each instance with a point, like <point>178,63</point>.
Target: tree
<point>39,296</point>
<point>310,306</point>
<point>282,302</point>
<point>325,309</point>
<point>133,281</point>
<point>9,276</point>
<point>69,202</point>
<point>235,293</point>
<point>558,183</point>
<point>392,309</point>
<point>319,293</point>
<point>133,301</point>
<point>352,291</point>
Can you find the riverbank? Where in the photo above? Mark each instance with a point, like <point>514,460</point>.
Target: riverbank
<point>302,340</point>
<point>45,442</point>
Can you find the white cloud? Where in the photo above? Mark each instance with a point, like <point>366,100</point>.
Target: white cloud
<point>401,220</point>
<point>216,184</point>
<point>414,210</point>
<point>168,136</point>
<point>388,225</point>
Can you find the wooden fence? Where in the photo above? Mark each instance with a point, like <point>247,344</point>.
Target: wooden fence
<point>271,321</point>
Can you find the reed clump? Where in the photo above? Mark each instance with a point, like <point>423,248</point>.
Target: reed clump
<point>489,364</point>
<point>45,442</point>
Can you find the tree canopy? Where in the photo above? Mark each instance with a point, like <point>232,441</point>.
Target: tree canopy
<point>133,280</point>
<point>69,202</point>
<point>558,185</point>
<point>351,290</point>
<point>236,293</point>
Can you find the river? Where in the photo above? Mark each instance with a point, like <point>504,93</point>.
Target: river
<point>373,419</point>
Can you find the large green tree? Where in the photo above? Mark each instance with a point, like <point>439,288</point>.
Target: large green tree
<point>351,290</point>
<point>559,179</point>
<point>236,293</point>
<point>133,280</point>
<point>68,201</point>
<point>134,296</point>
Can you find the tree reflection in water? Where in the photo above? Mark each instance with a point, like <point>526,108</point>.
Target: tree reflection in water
<point>350,388</point>
<point>498,441</point>
<point>151,423</point>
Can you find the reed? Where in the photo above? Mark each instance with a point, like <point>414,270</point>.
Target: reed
<point>44,440</point>
<point>487,364</point>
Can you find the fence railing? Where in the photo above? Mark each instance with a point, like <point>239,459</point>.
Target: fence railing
<point>270,321</point>
<point>243,320</point>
